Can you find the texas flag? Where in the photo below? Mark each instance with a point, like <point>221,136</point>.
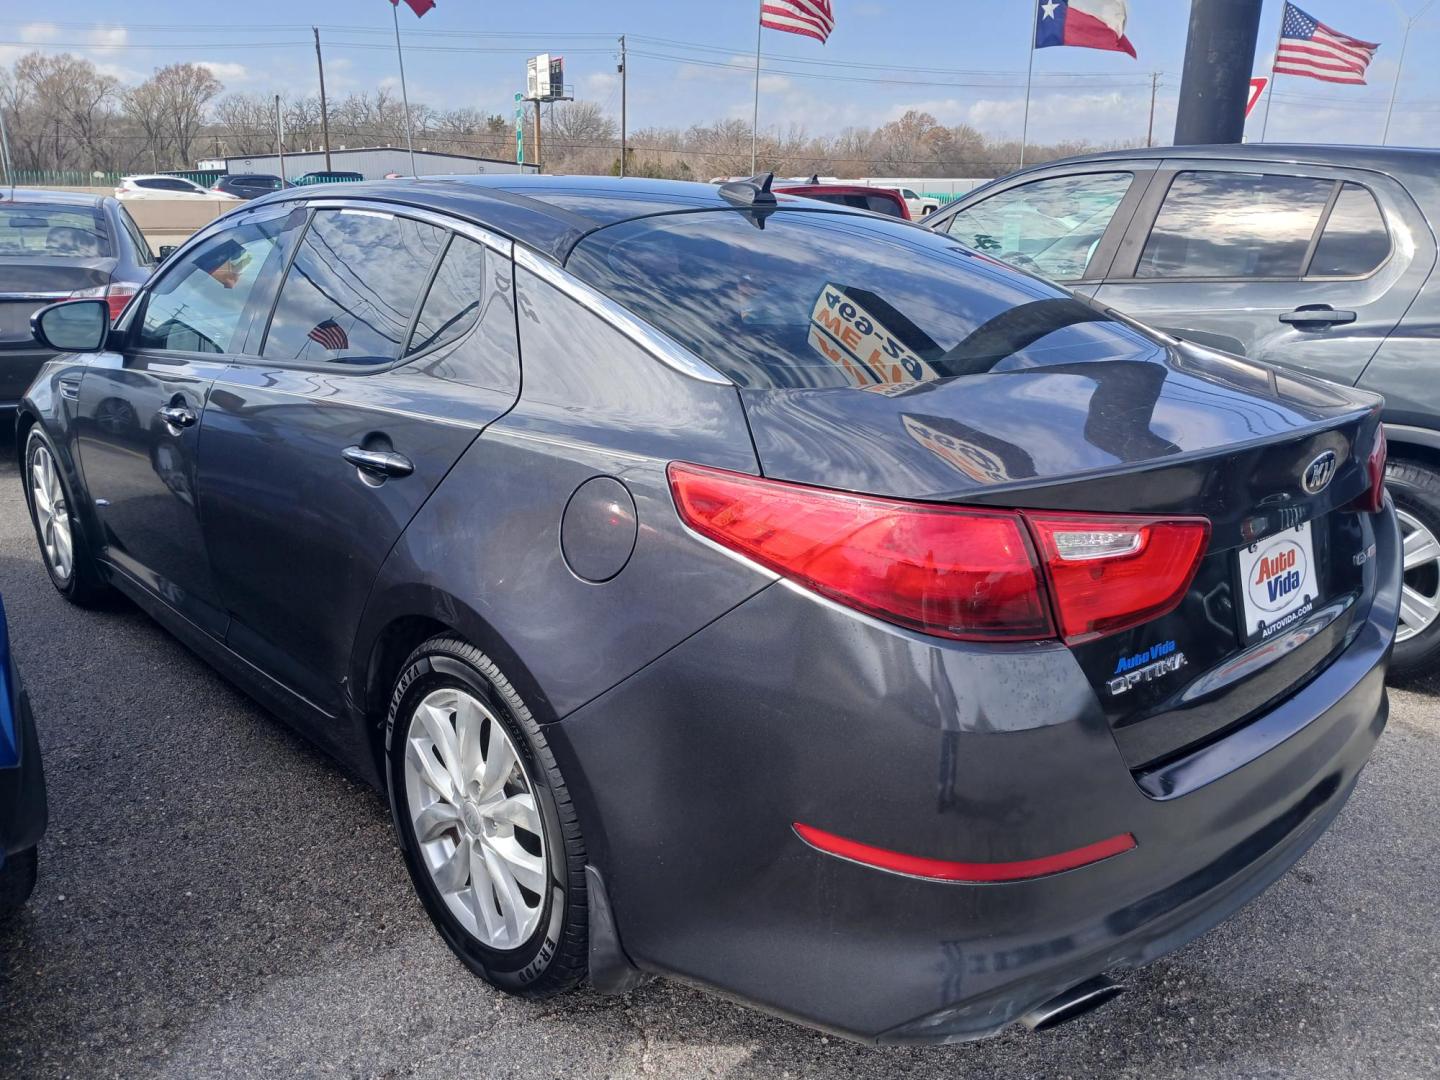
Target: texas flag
<point>1089,24</point>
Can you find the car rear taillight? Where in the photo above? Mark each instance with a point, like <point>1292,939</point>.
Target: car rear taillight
<point>958,572</point>
<point>1374,497</point>
<point>118,295</point>
<point>1109,572</point>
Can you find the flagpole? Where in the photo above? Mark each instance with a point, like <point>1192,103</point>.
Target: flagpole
<point>1274,60</point>
<point>1029,76</point>
<point>755,115</point>
<point>1410,21</point>
<point>404,94</point>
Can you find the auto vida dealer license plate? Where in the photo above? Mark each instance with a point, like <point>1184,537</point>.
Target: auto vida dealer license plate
<point>1278,581</point>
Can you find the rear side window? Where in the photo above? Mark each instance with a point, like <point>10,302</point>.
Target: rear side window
<point>881,205</point>
<point>1234,225</point>
<point>819,299</point>
<point>200,302</point>
<point>59,231</point>
<point>351,292</point>
<point>1051,227</point>
<point>453,303</point>
<point>1355,240</point>
<point>142,248</point>
<point>166,184</point>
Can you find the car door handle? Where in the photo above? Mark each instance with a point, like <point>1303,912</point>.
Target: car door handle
<point>378,462</point>
<point>1319,314</point>
<point>177,417</point>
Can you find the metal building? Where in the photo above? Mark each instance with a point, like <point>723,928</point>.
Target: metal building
<point>373,162</point>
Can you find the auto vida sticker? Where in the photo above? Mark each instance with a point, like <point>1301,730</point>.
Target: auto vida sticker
<point>1157,661</point>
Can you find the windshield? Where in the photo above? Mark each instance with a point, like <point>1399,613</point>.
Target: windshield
<point>74,231</point>
<point>828,299</point>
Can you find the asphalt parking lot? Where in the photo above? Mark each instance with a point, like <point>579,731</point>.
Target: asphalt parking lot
<point>217,899</point>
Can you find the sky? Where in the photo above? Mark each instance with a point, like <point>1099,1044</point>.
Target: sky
<point>692,62</point>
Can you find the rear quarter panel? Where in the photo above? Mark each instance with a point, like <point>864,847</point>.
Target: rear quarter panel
<point>484,554</point>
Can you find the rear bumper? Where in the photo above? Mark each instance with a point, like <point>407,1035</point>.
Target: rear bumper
<point>18,368</point>
<point>689,775</point>
<point>23,810</point>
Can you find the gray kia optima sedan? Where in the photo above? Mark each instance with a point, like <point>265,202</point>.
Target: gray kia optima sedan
<point>732,587</point>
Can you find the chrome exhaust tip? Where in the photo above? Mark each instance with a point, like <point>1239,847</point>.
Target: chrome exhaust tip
<point>1077,1001</point>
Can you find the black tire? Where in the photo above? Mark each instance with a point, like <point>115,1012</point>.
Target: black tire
<point>1416,491</point>
<point>17,880</point>
<point>555,956</point>
<point>84,585</point>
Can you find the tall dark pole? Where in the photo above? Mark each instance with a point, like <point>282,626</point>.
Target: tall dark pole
<point>324,113</point>
<point>1154,87</point>
<point>624,75</point>
<point>1219,61</point>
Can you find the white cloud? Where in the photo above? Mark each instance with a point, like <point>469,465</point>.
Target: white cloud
<point>600,83</point>
<point>105,39</point>
<point>39,32</point>
<point>224,70</point>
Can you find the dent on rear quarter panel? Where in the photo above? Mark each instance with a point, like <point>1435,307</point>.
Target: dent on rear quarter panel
<point>592,404</point>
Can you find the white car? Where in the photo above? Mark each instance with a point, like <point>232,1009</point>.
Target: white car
<point>167,187</point>
<point>917,204</point>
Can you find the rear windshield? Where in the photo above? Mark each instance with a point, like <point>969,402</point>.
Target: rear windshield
<point>820,298</point>
<point>75,231</point>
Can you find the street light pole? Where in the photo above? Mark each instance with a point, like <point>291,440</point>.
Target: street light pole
<point>1410,21</point>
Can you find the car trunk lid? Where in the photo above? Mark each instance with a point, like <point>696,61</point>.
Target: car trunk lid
<point>28,283</point>
<point>1189,433</point>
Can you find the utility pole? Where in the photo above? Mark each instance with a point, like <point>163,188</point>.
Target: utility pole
<point>624,75</point>
<point>324,114</point>
<point>279,137</point>
<point>1154,86</point>
<point>539,160</point>
<point>1219,60</point>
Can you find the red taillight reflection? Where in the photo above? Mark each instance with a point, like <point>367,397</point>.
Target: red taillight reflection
<point>975,873</point>
<point>1374,497</point>
<point>1109,572</point>
<point>958,573</point>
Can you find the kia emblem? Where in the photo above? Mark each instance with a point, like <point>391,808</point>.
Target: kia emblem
<point>1318,474</point>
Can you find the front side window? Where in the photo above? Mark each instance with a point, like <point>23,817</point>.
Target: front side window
<point>1234,225</point>
<point>350,293</point>
<point>199,304</point>
<point>1355,240</point>
<point>821,299</point>
<point>453,303</point>
<point>1051,227</point>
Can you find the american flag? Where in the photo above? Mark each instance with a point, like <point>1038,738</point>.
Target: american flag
<point>813,18</point>
<point>1312,50</point>
<point>331,335</point>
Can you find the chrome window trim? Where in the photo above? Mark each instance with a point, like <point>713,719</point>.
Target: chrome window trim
<point>494,241</point>
<point>657,343</point>
<point>63,294</point>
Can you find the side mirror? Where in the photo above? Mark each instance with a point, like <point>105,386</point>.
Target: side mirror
<point>166,250</point>
<point>72,325</point>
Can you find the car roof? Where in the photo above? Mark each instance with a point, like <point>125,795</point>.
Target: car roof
<point>549,214</point>
<point>1395,159</point>
<point>155,176</point>
<point>250,176</point>
<point>838,189</point>
<point>46,195</point>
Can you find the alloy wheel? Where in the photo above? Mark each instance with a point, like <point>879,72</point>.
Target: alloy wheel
<point>1420,594</point>
<point>478,829</point>
<point>52,513</point>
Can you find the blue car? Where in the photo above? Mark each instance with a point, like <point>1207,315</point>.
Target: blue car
<point>22,785</point>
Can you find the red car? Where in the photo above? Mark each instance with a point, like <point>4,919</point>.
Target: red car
<point>855,196</point>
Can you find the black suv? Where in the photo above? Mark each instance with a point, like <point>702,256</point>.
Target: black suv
<point>249,185</point>
<point>1314,257</point>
